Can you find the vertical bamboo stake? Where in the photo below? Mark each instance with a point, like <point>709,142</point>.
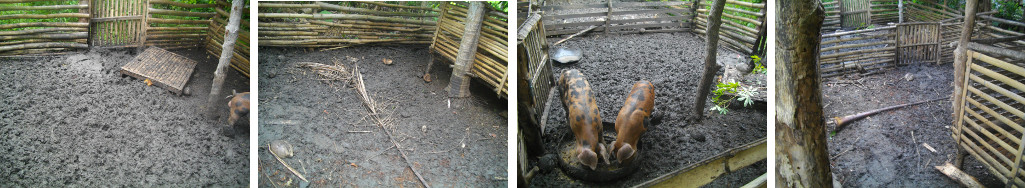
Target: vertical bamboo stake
<point>712,45</point>
<point>145,24</point>
<point>459,85</point>
<point>959,68</point>
<point>230,35</point>
<point>608,18</point>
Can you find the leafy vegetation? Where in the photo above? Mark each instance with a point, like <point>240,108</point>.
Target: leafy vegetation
<point>759,68</point>
<point>743,94</point>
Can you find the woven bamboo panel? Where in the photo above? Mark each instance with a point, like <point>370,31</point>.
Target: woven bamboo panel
<point>117,23</point>
<point>918,42</point>
<point>990,122</point>
<point>165,69</point>
<point>535,70</point>
<point>490,61</point>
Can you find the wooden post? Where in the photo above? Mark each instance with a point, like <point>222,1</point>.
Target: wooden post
<point>959,70</point>
<point>227,49</point>
<point>87,10</point>
<point>608,17</point>
<point>900,11</point>
<point>760,43</point>
<point>712,45</point>
<point>802,158</point>
<point>144,26</point>
<point>459,86</point>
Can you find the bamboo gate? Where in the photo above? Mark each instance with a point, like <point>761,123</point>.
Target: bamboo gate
<point>990,124</point>
<point>333,26</point>
<point>82,24</point>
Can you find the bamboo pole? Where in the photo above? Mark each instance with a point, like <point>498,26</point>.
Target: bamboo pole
<point>43,45</point>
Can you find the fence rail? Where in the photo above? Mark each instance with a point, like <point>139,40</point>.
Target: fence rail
<point>619,17</point>
<point>325,24</point>
<point>742,29</point>
<point>27,32</point>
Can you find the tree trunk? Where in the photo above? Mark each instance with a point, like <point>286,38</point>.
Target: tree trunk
<point>459,85</point>
<point>227,49</point>
<point>712,45</point>
<point>801,156</point>
<point>959,69</point>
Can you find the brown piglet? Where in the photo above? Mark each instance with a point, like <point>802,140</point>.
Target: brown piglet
<point>632,119</point>
<point>583,117</point>
<point>239,106</point>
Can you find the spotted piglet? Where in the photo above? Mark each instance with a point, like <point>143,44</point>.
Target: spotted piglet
<point>239,106</point>
<point>632,119</point>
<point>583,116</point>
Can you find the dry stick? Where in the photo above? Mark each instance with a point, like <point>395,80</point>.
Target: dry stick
<point>841,122</point>
<point>286,165</point>
<point>574,35</point>
<point>372,107</point>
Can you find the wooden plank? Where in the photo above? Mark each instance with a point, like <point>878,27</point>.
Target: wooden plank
<point>703,172</point>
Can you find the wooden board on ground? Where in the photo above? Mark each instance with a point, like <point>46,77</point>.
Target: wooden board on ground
<point>165,69</point>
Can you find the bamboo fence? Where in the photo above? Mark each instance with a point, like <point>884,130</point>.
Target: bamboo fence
<point>864,50</point>
<point>43,33</point>
<point>855,14</point>
<point>491,59</point>
<point>990,122</point>
<point>324,24</point>
<point>742,29</point>
<point>119,23</point>
<point>867,50</point>
<point>535,68</point>
<point>214,40</point>
<point>619,17</point>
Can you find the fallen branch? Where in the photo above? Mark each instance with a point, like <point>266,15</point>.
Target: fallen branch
<point>841,122</point>
<point>574,35</point>
<point>372,108</point>
<point>286,165</point>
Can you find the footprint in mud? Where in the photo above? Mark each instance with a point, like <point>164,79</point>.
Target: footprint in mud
<point>83,64</point>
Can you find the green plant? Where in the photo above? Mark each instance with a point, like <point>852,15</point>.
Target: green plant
<point>759,68</point>
<point>743,94</point>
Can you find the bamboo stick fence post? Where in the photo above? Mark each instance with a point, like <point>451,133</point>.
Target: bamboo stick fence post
<point>459,84</point>
<point>712,45</point>
<point>227,50</point>
<point>959,71</point>
<point>608,18</point>
<point>760,44</point>
<point>144,26</point>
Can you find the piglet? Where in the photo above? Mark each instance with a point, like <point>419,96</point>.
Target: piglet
<point>239,106</point>
<point>583,117</point>
<point>632,120</point>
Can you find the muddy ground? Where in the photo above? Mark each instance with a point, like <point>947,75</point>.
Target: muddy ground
<point>885,150</point>
<point>335,146</point>
<point>73,120</point>
<point>673,63</point>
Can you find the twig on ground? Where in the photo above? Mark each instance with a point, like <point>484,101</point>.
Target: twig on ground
<point>286,165</point>
<point>462,143</point>
<point>360,131</point>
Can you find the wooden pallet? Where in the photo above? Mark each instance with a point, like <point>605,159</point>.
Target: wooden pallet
<point>165,69</point>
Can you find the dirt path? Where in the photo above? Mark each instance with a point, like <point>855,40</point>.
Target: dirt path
<point>335,146</point>
<point>672,62</point>
<point>72,120</point>
<point>885,150</point>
